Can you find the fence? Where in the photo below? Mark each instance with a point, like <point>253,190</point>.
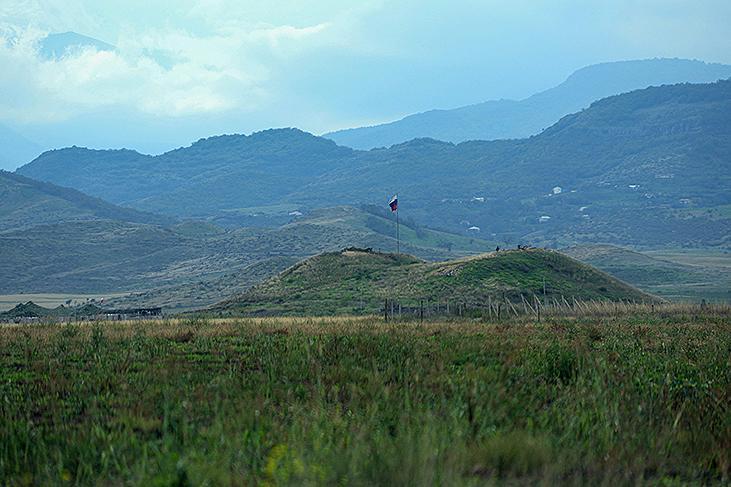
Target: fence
<point>537,308</point>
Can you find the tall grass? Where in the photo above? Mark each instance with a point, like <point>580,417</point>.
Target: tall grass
<point>590,399</point>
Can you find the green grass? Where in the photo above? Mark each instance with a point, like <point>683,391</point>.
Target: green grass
<point>634,399</point>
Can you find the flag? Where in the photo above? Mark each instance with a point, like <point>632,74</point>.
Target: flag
<point>394,203</point>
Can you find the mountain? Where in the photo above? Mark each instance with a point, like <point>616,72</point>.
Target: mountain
<point>16,150</point>
<point>358,281</point>
<point>193,264</point>
<point>25,203</point>
<point>57,45</point>
<point>511,119</point>
<point>645,168</point>
<point>660,276</point>
<point>233,177</point>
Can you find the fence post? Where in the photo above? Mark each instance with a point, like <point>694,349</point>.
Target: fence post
<point>421,311</point>
<point>385,310</point>
<point>512,307</point>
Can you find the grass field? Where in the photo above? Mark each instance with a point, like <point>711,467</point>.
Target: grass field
<point>680,275</point>
<point>697,257</point>
<point>632,399</point>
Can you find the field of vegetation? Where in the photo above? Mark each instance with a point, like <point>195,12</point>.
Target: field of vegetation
<point>637,397</point>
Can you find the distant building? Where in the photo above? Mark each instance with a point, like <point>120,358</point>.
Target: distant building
<point>544,218</point>
<point>557,190</point>
<point>474,229</point>
<point>479,199</point>
<point>295,213</point>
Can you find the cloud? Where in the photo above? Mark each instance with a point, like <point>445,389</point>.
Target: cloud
<point>170,73</point>
<point>240,65</point>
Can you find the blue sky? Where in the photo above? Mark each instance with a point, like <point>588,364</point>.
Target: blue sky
<point>189,69</point>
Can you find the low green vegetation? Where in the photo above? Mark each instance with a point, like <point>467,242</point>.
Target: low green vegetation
<point>633,399</point>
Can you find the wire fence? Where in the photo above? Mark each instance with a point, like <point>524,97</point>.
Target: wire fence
<point>538,308</point>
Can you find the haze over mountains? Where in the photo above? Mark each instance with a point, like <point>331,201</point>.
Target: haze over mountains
<point>486,121</point>
<point>512,119</point>
<point>648,168</point>
<point>16,149</point>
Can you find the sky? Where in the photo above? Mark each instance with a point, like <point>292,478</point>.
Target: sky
<point>188,69</point>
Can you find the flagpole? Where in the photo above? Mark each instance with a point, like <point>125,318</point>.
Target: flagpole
<point>398,236</point>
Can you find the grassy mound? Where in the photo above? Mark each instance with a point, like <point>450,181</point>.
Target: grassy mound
<point>357,281</point>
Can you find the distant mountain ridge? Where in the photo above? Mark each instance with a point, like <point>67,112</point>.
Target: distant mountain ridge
<point>633,169</point>
<point>511,119</point>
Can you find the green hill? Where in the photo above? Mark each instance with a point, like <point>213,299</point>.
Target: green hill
<point>645,168</point>
<point>356,281</point>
